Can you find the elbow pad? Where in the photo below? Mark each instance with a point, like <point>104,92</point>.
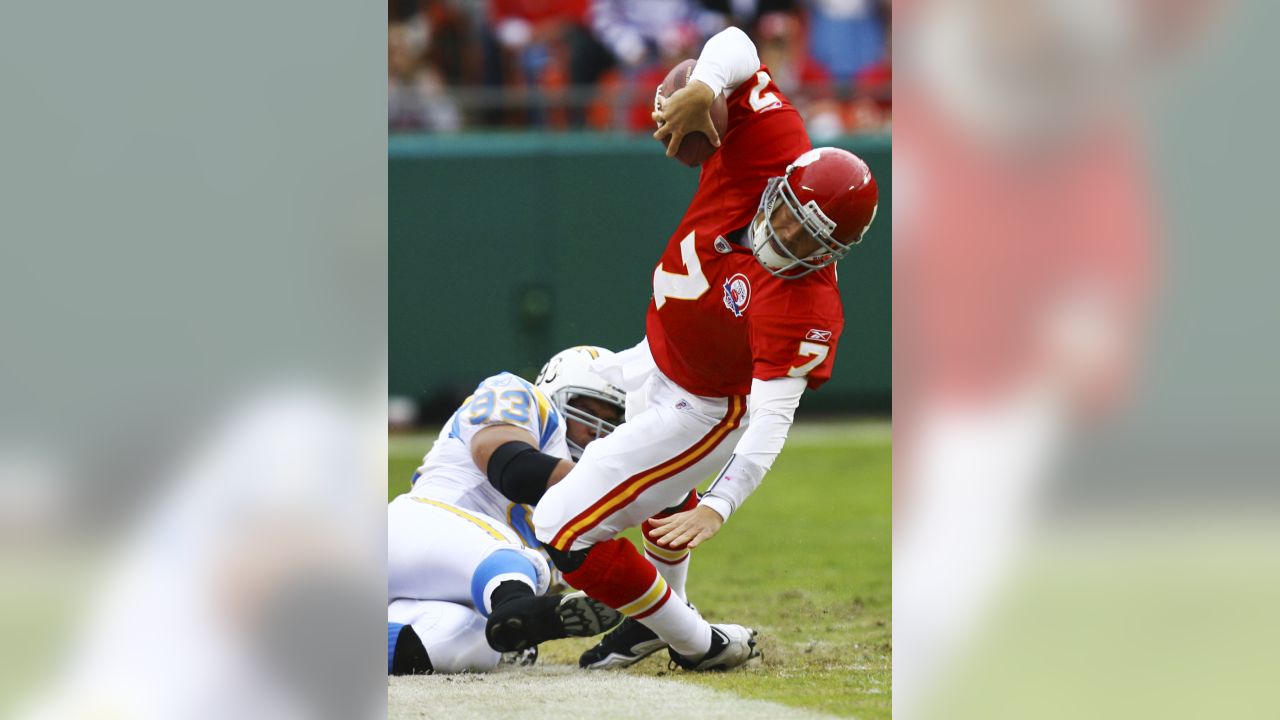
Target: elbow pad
<point>520,472</point>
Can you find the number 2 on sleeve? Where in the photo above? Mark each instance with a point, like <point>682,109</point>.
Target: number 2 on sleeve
<point>762,102</point>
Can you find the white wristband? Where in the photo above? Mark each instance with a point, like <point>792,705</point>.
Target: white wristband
<point>720,505</point>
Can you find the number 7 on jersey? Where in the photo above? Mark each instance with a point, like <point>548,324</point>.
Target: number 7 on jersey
<point>689,286</point>
<point>817,351</point>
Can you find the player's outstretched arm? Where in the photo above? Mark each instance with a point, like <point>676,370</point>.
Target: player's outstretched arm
<point>773,407</point>
<point>774,404</point>
<point>508,456</point>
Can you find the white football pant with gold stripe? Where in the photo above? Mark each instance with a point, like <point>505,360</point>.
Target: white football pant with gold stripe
<point>439,554</point>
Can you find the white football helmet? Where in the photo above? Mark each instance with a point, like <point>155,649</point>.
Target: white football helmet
<point>567,376</point>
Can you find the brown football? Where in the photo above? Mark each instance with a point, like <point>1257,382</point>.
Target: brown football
<point>696,147</point>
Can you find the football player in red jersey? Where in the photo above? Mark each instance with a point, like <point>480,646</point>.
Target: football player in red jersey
<point>744,304</point>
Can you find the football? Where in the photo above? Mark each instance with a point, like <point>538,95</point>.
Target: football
<point>696,147</point>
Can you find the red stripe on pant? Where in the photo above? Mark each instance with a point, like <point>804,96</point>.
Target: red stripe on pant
<point>633,486</point>
<point>617,575</point>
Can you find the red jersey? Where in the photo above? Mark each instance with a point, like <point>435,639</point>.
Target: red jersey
<point>718,318</point>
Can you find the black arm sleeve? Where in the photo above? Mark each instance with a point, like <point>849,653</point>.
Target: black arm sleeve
<point>520,472</point>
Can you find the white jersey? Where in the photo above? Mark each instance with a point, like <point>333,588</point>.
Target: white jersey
<point>449,474</point>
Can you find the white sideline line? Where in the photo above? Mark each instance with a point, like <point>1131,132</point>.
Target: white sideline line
<point>561,691</point>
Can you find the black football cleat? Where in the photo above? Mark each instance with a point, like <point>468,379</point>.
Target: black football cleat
<point>524,622</point>
<point>520,658</point>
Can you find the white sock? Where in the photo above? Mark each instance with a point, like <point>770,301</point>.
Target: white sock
<point>672,565</point>
<point>681,627</point>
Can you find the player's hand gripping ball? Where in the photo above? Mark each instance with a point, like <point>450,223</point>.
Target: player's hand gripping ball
<point>682,118</point>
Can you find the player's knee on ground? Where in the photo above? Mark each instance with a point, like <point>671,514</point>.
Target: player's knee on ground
<point>405,653</point>
<point>452,635</point>
<point>502,566</point>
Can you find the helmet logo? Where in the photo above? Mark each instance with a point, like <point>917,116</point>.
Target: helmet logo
<point>549,372</point>
<point>737,294</point>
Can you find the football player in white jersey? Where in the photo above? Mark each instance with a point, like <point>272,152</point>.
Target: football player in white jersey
<point>459,543</point>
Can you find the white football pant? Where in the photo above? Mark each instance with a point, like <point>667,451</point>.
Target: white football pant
<point>443,564</point>
<point>648,464</point>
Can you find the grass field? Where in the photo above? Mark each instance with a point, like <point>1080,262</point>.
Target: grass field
<point>806,562</point>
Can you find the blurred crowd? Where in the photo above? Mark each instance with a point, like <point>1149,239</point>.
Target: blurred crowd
<point>594,64</point>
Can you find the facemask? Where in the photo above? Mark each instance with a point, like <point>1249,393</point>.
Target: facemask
<point>765,251</point>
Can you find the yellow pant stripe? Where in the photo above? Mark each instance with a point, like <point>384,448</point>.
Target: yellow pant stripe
<point>464,515</point>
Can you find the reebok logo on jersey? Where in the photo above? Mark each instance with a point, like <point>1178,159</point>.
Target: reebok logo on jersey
<point>819,335</point>
<point>737,294</point>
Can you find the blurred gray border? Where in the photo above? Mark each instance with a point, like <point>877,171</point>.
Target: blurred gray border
<point>192,216</point>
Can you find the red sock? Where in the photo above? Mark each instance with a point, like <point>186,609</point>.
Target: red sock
<point>619,576</point>
<point>690,502</point>
<point>616,574</point>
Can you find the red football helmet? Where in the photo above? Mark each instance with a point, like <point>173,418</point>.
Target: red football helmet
<point>833,195</point>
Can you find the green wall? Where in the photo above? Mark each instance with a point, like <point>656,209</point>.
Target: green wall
<point>505,248</point>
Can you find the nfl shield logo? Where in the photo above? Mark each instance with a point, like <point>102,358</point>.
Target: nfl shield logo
<point>737,294</point>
